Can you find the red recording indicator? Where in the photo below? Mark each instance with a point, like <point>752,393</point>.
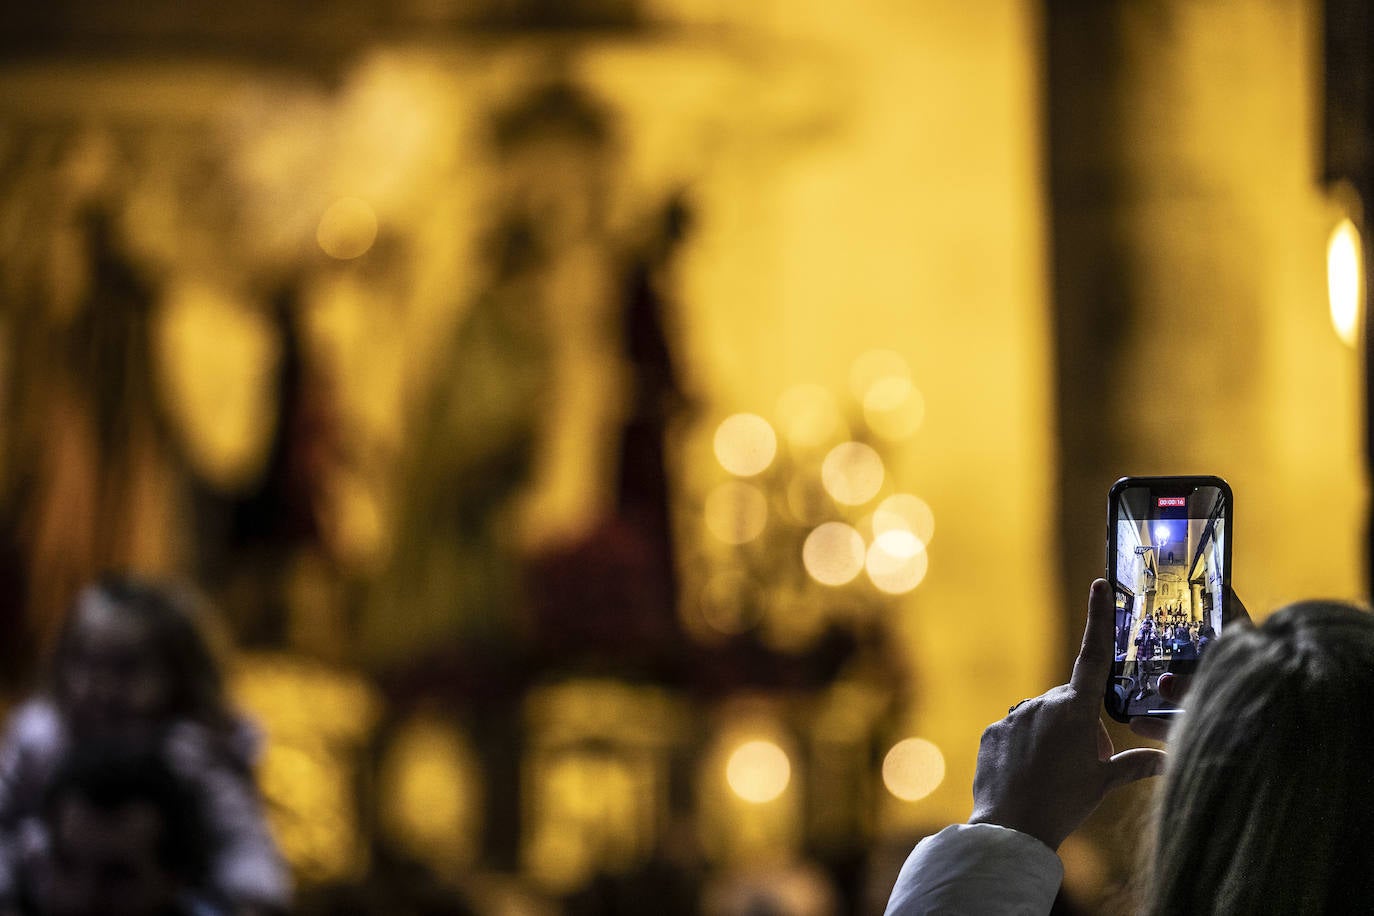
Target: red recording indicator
<point>1166,501</point>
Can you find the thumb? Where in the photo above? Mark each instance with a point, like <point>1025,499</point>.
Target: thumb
<point>1137,763</point>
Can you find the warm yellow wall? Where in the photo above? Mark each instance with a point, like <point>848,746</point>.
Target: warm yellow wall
<point>911,221</point>
<point>1222,136</point>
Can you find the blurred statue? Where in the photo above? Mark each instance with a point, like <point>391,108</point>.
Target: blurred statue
<point>491,439</point>
<point>613,591</point>
<point>89,469</point>
<point>450,574</point>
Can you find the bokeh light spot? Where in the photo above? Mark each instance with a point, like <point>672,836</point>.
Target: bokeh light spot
<point>217,360</point>
<point>899,543</point>
<point>896,572</point>
<point>894,409</point>
<point>833,553</point>
<point>432,796</point>
<point>809,416</point>
<point>758,771</point>
<point>852,473</point>
<point>736,512</point>
<point>347,229</point>
<point>745,444</point>
<point>913,769</point>
<point>904,512</point>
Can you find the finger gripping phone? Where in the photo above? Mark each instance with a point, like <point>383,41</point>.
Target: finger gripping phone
<point>1169,564</point>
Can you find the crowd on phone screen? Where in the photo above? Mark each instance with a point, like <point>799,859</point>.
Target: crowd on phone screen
<point>126,780</point>
<point>1168,636</point>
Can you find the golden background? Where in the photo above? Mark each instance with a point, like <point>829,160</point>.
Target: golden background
<point>1019,249</point>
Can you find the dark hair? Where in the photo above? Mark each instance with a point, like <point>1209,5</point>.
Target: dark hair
<point>178,637</point>
<point>1268,797</point>
<point>110,776</point>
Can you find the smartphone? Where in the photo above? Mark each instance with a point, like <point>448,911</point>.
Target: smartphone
<point>1169,563</point>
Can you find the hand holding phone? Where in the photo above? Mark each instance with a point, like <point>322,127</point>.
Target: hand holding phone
<point>1045,767</point>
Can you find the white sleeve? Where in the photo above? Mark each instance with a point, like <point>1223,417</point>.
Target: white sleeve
<point>974,869</point>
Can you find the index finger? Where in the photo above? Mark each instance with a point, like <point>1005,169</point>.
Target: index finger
<point>1094,661</point>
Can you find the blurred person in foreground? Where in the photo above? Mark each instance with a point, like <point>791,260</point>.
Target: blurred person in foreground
<point>133,664</point>
<point>1267,802</point>
<point>124,836</point>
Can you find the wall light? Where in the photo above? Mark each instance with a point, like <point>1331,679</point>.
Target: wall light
<point>1345,280</point>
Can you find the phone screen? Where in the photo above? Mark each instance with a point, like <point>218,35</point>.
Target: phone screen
<point>1169,563</point>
